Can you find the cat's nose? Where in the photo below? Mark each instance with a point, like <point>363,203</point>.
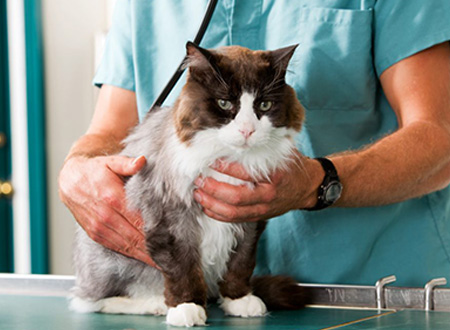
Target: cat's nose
<point>247,132</point>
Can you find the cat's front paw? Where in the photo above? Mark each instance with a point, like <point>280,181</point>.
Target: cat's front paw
<point>186,315</point>
<point>247,306</point>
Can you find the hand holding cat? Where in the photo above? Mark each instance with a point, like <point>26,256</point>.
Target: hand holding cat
<point>287,189</point>
<point>92,188</point>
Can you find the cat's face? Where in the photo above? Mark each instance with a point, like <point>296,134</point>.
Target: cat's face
<point>239,94</point>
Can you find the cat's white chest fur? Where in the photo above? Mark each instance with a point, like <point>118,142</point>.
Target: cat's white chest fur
<point>218,241</point>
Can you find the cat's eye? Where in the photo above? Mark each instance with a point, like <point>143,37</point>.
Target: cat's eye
<point>265,105</point>
<point>224,104</point>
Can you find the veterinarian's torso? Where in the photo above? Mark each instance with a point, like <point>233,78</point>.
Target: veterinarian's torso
<point>345,45</point>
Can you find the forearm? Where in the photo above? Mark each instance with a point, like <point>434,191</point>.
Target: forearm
<point>413,161</point>
<point>92,145</point>
<point>115,114</point>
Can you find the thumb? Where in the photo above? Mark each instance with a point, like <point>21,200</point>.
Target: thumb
<point>125,166</point>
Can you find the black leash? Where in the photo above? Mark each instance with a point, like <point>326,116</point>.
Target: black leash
<point>198,38</point>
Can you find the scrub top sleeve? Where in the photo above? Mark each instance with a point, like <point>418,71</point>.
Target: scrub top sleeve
<point>116,67</point>
<point>405,27</point>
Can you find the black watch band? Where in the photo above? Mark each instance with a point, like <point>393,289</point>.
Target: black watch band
<point>330,189</point>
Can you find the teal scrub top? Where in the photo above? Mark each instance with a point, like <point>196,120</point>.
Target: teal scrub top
<point>345,45</point>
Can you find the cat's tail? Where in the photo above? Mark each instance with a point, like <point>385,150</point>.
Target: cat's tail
<point>279,292</point>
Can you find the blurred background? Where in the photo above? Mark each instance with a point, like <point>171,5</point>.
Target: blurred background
<point>49,53</point>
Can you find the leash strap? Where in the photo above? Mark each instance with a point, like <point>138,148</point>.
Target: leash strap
<point>198,38</point>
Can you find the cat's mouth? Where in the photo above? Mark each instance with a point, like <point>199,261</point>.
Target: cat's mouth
<point>246,142</point>
<point>244,146</point>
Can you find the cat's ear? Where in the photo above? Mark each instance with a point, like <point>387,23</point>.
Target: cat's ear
<point>198,57</point>
<point>282,56</point>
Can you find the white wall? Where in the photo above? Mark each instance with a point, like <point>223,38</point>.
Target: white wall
<point>70,29</point>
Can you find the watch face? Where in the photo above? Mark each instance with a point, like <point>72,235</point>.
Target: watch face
<point>333,191</point>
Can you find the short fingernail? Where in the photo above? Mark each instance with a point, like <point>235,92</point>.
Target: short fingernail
<point>218,163</point>
<point>136,160</point>
<point>198,182</point>
<point>197,196</point>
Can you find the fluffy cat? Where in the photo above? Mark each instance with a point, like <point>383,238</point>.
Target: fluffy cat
<point>236,106</point>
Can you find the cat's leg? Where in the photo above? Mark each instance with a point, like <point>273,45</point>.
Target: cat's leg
<point>235,290</point>
<point>140,290</point>
<point>124,305</point>
<point>109,282</point>
<point>179,259</point>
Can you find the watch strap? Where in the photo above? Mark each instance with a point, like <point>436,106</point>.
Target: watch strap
<point>328,167</point>
<point>330,176</point>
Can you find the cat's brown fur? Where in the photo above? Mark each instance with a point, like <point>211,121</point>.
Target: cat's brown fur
<point>240,68</point>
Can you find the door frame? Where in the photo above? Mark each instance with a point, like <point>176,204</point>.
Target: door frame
<point>36,138</point>
<point>29,177</point>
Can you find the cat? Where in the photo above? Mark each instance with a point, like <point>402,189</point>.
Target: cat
<point>234,106</point>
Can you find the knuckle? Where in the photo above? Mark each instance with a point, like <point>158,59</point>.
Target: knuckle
<point>104,218</point>
<point>209,186</point>
<point>262,210</point>
<point>110,198</point>
<point>96,229</point>
<point>128,249</point>
<point>134,242</point>
<point>236,199</point>
<point>277,177</point>
<point>94,232</point>
<point>232,213</point>
<point>136,221</point>
<point>270,194</point>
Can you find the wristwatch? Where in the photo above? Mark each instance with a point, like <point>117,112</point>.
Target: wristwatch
<point>330,189</point>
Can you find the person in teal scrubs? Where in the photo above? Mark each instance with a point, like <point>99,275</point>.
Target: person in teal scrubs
<point>374,78</point>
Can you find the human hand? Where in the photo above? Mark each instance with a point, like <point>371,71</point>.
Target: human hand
<point>286,189</point>
<point>93,190</point>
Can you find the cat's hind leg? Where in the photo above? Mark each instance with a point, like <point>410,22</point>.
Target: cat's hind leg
<point>121,305</point>
<point>125,305</point>
<point>81,305</point>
